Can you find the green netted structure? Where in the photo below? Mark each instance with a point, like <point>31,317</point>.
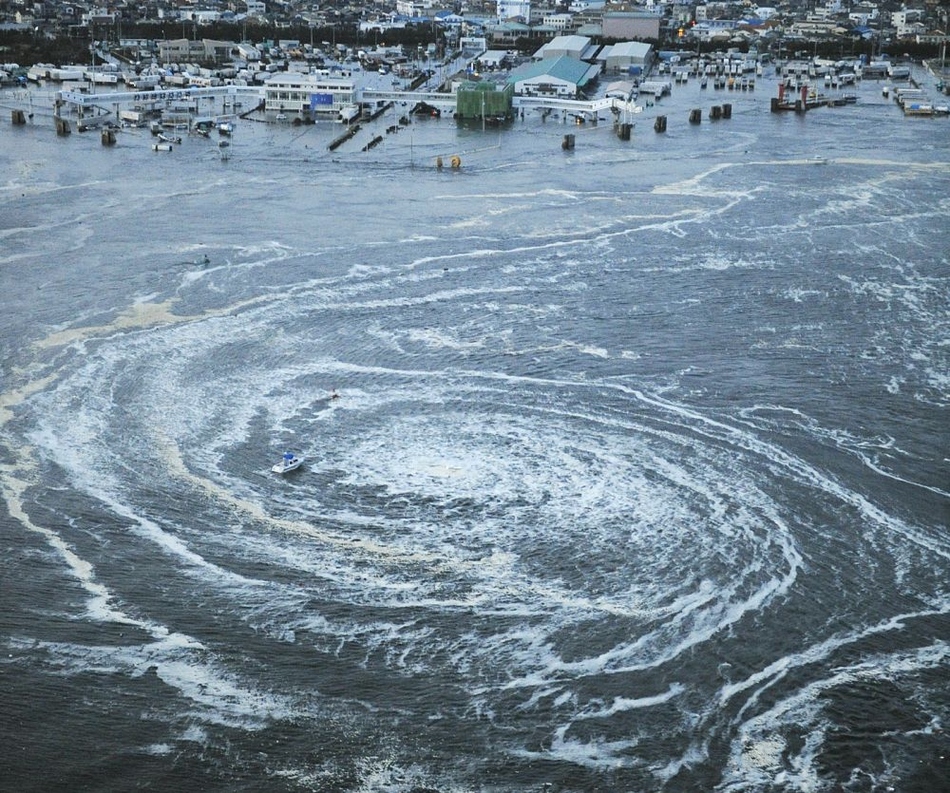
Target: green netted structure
<point>477,100</point>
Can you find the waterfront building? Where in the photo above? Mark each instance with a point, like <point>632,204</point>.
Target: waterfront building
<point>311,96</point>
<point>484,100</point>
<point>564,77</point>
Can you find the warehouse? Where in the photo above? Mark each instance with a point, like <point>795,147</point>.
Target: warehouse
<point>627,56</point>
<point>577,47</point>
<point>564,77</point>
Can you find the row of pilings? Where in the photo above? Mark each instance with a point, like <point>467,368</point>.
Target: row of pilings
<point>716,112</point>
<point>19,117</point>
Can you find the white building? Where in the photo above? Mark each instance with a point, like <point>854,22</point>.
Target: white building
<point>202,17</point>
<point>904,16</point>
<point>624,54</point>
<point>494,59</point>
<point>907,21</point>
<point>511,9</point>
<point>248,52</point>
<point>558,21</point>
<point>473,45</point>
<point>319,95</point>
<point>713,28</point>
<point>578,6</point>
<point>572,46</point>
<point>863,13</point>
<point>410,8</point>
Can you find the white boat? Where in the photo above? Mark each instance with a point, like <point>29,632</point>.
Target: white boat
<point>289,462</point>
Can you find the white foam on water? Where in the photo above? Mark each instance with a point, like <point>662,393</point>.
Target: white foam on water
<point>209,693</point>
<point>194,734</point>
<point>519,508</point>
<point>625,704</point>
<point>760,754</point>
<point>503,461</point>
<point>100,604</point>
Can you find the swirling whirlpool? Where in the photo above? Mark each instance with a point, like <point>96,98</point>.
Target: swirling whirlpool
<point>546,569</point>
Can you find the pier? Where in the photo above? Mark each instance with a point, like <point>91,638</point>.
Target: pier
<point>805,98</point>
<point>93,109</point>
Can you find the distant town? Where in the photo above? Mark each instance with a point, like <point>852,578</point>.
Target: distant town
<point>218,32</point>
<point>303,61</point>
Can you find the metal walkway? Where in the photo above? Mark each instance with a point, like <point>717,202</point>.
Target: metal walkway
<point>81,100</point>
<point>580,107</point>
<point>84,99</point>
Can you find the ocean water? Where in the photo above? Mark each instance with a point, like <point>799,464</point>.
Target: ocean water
<point>636,478</point>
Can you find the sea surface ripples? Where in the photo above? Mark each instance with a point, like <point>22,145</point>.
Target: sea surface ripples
<point>638,485</point>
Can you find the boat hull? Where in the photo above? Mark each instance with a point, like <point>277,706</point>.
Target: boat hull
<point>286,466</point>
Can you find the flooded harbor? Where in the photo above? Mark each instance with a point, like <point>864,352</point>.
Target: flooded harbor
<point>618,466</point>
<point>703,92</point>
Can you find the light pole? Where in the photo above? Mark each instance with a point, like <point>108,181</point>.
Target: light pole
<point>92,54</point>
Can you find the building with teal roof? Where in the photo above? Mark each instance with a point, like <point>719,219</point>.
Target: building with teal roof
<point>563,77</point>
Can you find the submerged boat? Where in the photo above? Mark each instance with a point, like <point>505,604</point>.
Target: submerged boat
<point>289,462</point>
